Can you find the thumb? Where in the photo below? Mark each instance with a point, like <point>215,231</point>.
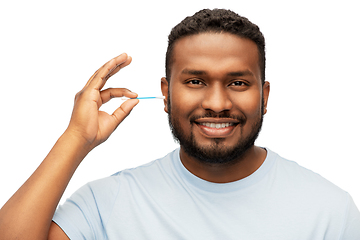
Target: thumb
<point>124,110</point>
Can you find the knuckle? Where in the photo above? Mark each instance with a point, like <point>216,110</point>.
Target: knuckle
<point>77,95</point>
<point>125,90</point>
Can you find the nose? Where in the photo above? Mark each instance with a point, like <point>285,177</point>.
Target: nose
<point>216,99</point>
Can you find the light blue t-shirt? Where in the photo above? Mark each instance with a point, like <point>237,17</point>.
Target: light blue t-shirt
<point>163,200</point>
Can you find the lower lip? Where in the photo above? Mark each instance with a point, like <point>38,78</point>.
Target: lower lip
<point>216,132</point>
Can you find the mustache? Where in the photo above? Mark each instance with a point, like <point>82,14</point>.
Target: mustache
<point>241,119</point>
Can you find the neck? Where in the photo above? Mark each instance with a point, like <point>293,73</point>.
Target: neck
<point>240,168</point>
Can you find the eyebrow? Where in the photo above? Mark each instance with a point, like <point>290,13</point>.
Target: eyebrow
<point>241,73</point>
<point>230,74</point>
<point>193,72</point>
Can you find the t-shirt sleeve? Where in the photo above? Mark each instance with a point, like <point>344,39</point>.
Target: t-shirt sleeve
<point>351,230</point>
<point>84,215</point>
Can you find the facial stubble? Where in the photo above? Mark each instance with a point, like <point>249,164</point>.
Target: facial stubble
<point>217,152</point>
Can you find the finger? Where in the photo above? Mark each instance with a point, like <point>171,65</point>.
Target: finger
<point>90,79</point>
<point>103,74</point>
<point>107,94</point>
<point>123,111</point>
<point>118,67</point>
<point>111,72</point>
<point>117,60</point>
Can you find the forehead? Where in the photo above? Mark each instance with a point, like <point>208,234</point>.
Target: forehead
<point>215,52</point>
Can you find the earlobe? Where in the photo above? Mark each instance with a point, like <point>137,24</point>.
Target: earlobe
<point>266,92</point>
<point>165,92</point>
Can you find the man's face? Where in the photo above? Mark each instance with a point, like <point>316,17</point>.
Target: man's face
<point>217,99</point>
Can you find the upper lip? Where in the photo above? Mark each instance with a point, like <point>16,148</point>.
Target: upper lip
<point>217,120</point>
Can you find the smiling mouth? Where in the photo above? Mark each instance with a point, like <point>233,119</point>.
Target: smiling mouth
<point>219,128</point>
<point>216,125</point>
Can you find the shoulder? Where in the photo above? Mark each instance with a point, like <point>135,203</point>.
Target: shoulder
<point>101,195</point>
<point>308,194</point>
<point>310,185</point>
<point>150,173</point>
<point>304,175</point>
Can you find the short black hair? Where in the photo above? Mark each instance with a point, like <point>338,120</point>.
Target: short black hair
<point>216,21</point>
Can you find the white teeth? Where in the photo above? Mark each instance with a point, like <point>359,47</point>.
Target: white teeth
<point>217,125</point>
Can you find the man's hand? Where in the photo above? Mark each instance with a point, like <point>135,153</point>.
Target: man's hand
<point>28,213</point>
<point>87,122</point>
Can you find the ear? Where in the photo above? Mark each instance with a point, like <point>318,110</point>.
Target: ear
<point>266,92</point>
<point>165,92</point>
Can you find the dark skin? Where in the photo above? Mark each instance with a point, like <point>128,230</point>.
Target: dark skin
<point>217,73</point>
<point>28,213</point>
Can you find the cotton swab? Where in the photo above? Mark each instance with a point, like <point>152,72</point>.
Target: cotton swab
<point>126,98</point>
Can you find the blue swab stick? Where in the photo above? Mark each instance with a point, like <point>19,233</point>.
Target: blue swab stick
<point>126,98</point>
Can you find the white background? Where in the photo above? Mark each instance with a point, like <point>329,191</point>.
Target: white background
<point>49,49</point>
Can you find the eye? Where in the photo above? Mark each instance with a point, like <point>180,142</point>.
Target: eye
<point>238,83</point>
<point>195,82</point>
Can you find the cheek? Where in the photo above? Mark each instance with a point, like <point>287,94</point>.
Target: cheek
<point>183,103</point>
<point>250,103</point>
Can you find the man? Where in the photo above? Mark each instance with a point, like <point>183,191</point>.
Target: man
<point>218,185</point>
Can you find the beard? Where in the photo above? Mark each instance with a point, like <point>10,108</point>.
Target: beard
<point>217,152</point>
